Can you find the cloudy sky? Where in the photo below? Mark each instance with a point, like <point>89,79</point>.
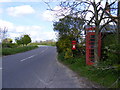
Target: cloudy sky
<point>31,18</point>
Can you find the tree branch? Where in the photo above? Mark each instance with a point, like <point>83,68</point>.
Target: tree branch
<point>105,24</point>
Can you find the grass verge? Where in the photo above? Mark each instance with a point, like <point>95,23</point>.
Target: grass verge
<point>106,78</point>
<point>10,51</point>
<point>47,44</point>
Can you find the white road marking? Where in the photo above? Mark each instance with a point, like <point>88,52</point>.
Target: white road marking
<point>43,51</point>
<point>33,55</point>
<point>27,58</point>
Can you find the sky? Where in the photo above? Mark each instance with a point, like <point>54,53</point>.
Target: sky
<point>31,18</point>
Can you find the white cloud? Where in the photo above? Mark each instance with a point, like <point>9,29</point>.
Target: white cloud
<point>48,15</point>
<point>5,0</point>
<point>35,32</point>
<point>47,0</point>
<point>6,24</point>
<point>20,10</point>
<point>43,35</point>
<point>57,13</point>
<point>20,0</point>
<point>31,0</point>
<point>1,10</point>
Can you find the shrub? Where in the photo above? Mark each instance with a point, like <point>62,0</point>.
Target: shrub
<point>68,53</point>
<point>63,44</point>
<point>9,45</point>
<point>113,54</point>
<point>108,40</point>
<point>9,51</point>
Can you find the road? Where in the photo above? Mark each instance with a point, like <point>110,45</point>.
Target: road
<point>37,68</point>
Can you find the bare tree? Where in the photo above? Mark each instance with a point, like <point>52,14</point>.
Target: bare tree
<point>115,17</point>
<point>100,18</point>
<point>3,33</point>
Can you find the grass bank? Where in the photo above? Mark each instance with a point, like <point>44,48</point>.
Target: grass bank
<point>44,43</point>
<point>10,51</point>
<point>105,78</point>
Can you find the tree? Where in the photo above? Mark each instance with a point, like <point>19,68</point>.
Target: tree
<point>3,33</point>
<point>69,26</point>
<point>18,41</point>
<point>97,19</point>
<point>115,16</point>
<point>7,40</point>
<point>118,25</point>
<point>100,17</point>
<point>25,39</point>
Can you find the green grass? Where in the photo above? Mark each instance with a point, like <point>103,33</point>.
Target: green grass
<point>103,77</point>
<point>44,43</point>
<point>10,51</point>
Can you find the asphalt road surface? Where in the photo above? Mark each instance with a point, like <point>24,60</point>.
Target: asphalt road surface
<point>37,68</point>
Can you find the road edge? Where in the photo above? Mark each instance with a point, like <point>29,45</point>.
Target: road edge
<point>80,80</point>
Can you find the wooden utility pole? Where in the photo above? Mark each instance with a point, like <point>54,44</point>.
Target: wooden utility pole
<point>118,24</point>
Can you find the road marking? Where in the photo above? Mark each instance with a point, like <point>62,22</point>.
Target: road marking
<point>27,58</point>
<point>43,51</point>
<point>33,55</point>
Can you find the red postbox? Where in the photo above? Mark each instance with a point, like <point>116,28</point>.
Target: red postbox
<point>74,45</point>
<point>90,40</point>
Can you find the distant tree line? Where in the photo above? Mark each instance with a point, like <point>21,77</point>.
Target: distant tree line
<point>8,42</point>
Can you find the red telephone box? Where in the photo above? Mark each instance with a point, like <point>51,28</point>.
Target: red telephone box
<point>90,40</point>
<point>73,45</point>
